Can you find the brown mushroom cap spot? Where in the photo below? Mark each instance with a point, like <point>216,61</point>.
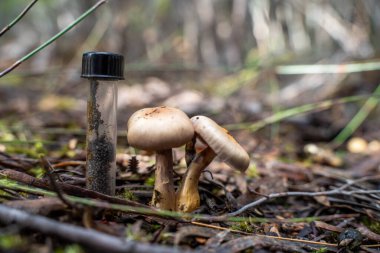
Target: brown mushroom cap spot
<point>221,142</point>
<point>159,128</point>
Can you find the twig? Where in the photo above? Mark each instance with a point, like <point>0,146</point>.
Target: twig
<point>340,225</point>
<point>294,220</point>
<point>267,236</point>
<point>90,238</point>
<point>52,39</point>
<point>68,163</point>
<point>253,241</point>
<point>352,204</point>
<point>17,162</point>
<point>9,184</point>
<point>49,168</point>
<point>143,210</point>
<point>69,189</point>
<point>300,194</point>
<point>326,218</point>
<point>367,232</point>
<point>20,16</point>
<point>337,191</point>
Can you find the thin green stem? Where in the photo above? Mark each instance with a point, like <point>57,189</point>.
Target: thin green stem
<point>274,87</point>
<point>358,119</point>
<point>14,185</point>
<point>52,39</point>
<point>281,115</point>
<point>18,18</point>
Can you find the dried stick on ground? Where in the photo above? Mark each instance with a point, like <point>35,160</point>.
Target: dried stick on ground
<point>66,188</point>
<point>49,168</point>
<point>337,191</point>
<point>90,238</point>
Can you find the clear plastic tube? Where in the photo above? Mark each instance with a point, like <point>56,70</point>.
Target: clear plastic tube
<point>101,136</point>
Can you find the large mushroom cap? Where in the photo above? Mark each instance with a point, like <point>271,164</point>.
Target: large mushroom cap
<point>159,128</point>
<point>221,142</point>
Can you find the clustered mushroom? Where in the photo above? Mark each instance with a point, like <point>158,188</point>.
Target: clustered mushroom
<point>160,129</point>
<point>213,141</point>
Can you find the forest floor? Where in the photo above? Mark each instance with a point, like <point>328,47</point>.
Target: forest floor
<point>301,193</point>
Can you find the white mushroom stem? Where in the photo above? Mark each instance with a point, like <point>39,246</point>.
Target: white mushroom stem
<point>188,196</point>
<point>164,194</point>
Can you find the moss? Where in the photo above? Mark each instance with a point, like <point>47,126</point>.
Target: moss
<point>11,241</point>
<point>126,194</point>
<point>155,227</point>
<point>150,181</point>
<point>5,194</point>
<point>373,225</point>
<point>38,172</point>
<point>72,248</point>
<point>321,250</point>
<point>243,226</point>
<point>20,147</point>
<point>252,171</point>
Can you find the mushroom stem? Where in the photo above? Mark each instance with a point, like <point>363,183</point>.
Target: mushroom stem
<point>188,196</point>
<point>164,194</point>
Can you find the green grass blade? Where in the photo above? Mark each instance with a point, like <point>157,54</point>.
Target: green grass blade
<point>288,113</point>
<point>14,185</point>
<point>327,68</point>
<point>52,39</point>
<point>358,119</point>
<point>18,18</point>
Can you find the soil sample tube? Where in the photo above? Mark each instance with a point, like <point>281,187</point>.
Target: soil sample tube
<point>103,70</point>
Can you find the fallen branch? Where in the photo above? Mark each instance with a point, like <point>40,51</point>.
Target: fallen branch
<point>90,238</point>
<point>49,168</point>
<point>16,162</point>
<point>180,217</point>
<point>66,188</point>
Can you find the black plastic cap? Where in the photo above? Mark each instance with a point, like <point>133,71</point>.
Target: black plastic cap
<point>102,65</point>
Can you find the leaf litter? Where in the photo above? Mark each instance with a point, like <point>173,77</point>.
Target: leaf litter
<point>280,221</point>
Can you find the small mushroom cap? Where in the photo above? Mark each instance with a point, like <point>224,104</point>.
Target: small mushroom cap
<point>159,128</point>
<point>221,142</point>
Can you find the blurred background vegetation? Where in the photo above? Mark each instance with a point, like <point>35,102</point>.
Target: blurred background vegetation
<point>224,35</point>
<point>217,57</point>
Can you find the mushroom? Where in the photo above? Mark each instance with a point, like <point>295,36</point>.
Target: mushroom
<point>213,140</point>
<point>160,129</point>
